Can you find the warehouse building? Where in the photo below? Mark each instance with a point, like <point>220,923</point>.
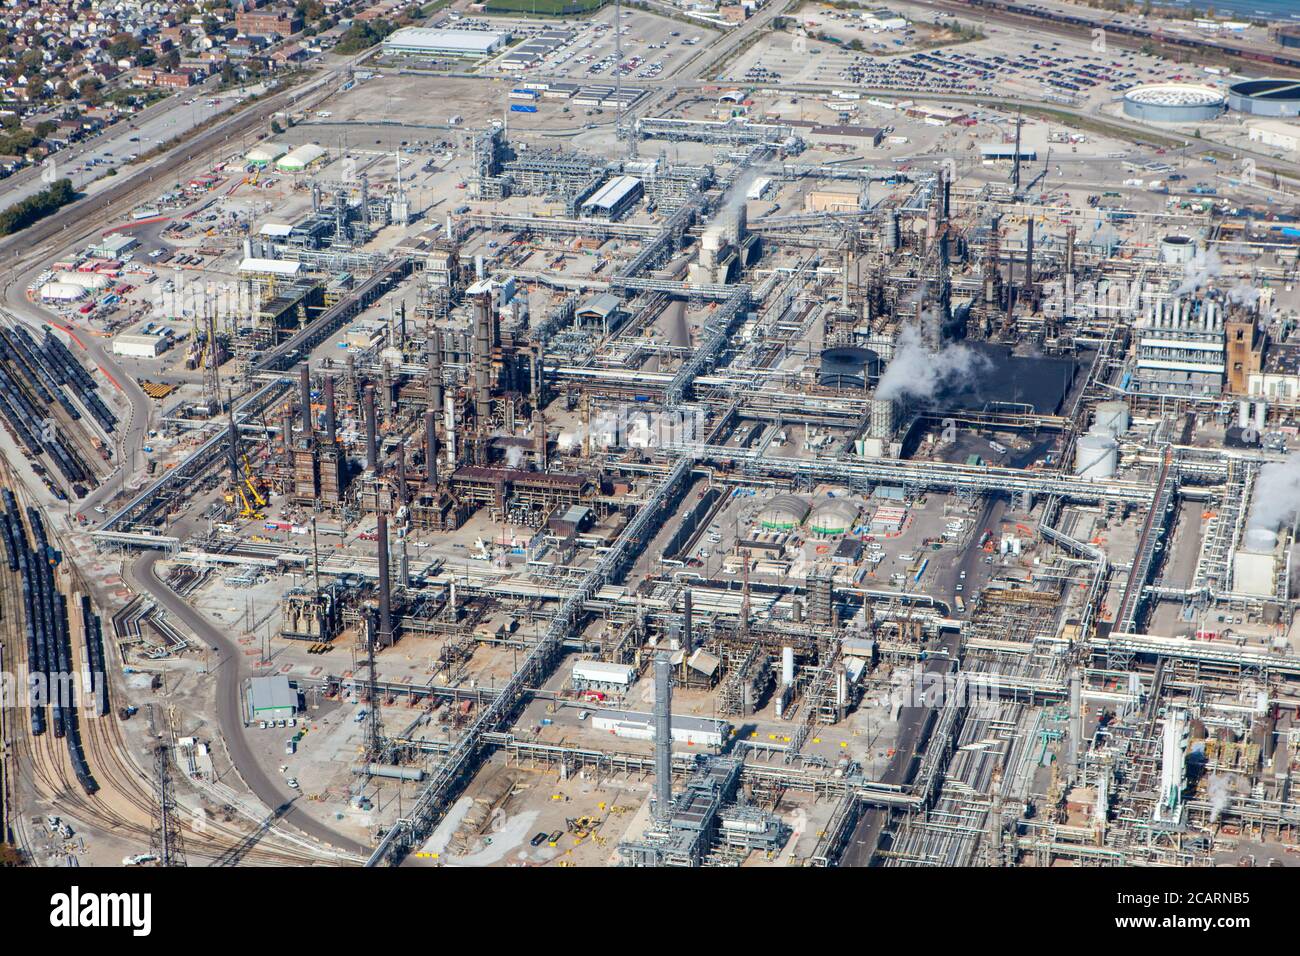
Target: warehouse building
<point>271,698</point>
<point>141,346</point>
<point>114,246</point>
<point>1276,134</point>
<point>692,731</point>
<point>613,200</point>
<point>417,41</point>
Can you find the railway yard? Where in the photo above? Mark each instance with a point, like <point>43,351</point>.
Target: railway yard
<point>819,442</point>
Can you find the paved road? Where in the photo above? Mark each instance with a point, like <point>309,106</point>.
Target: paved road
<point>914,725</point>
<point>271,790</point>
<point>157,124</point>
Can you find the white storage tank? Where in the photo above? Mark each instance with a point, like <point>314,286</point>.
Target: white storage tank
<point>1111,417</point>
<point>1261,540</point>
<point>1096,455</point>
<point>1177,250</point>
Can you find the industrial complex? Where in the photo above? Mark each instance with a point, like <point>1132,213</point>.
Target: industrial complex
<point>807,436</point>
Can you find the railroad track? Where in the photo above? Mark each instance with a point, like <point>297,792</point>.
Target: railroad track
<point>124,804</point>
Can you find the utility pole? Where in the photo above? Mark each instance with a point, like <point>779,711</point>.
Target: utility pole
<point>166,842</point>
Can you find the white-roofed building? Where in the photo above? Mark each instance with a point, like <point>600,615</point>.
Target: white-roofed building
<point>614,199</point>
<point>264,153</point>
<point>301,158</point>
<point>602,677</point>
<point>280,268</point>
<point>419,41</point>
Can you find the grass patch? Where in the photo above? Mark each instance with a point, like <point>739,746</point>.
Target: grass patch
<point>544,8</point>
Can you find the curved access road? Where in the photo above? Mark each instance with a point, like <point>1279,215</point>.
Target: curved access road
<point>143,577</point>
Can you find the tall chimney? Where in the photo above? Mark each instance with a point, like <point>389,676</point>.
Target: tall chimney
<point>688,624</point>
<point>401,472</point>
<point>331,422</point>
<point>539,439</point>
<point>385,597</point>
<point>482,351</point>
<point>435,368</point>
<point>304,388</point>
<point>431,448</point>
<point>663,739</point>
<point>372,446</point>
<point>1029,256</point>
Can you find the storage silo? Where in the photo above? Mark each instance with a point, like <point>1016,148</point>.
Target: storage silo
<point>833,516</point>
<point>1096,456</point>
<point>1177,250</point>
<point>783,513</point>
<point>1110,417</point>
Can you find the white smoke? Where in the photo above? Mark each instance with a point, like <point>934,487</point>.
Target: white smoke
<point>514,457</point>
<point>1243,293</point>
<point>1203,267</point>
<point>1277,494</point>
<point>916,371</point>
<point>1219,790</point>
<point>567,441</point>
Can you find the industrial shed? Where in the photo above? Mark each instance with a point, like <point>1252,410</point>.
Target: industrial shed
<point>271,698</point>
<point>694,731</point>
<point>614,199</point>
<point>301,158</point>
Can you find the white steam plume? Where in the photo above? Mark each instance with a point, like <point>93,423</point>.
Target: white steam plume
<point>1277,494</point>
<point>916,371</point>
<point>1204,267</point>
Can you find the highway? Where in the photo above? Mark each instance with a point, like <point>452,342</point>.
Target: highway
<point>143,578</point>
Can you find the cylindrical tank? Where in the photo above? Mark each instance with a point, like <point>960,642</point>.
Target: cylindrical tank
<point>1111,417</point>
<point>1177,250</point>
<point>787,666</point>
<point>1096,455</point>
<point>1261,540</point>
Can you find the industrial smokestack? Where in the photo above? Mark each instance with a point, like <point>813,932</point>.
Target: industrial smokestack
<point>331,421</point>
<point>435,370</point>
<point>539,440</point>
<point>1029,256</point>
<point>401,472</point>
<point>688,625</point>
<point>385,597</point>
<point>1069,249</point>
<point>431,448</point>
<point>663,739</point>
<point>372,446</point>
<point>304,388</point>
<point>482,346</point>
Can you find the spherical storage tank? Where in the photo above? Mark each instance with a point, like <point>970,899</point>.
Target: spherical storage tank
<point>783,513</point>
<point>831,516</point>
<point>1096,455</point>
<point>62,292</point>
<point>1173,103</point>
<point>1270,97</point>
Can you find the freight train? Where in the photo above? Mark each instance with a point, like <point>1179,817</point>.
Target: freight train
<point>52,681</point>
<point>1138,32</point>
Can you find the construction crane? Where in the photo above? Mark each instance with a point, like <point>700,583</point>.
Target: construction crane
<point>243,490</point>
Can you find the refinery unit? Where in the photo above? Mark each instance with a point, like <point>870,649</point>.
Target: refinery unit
<point>686,495</point>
